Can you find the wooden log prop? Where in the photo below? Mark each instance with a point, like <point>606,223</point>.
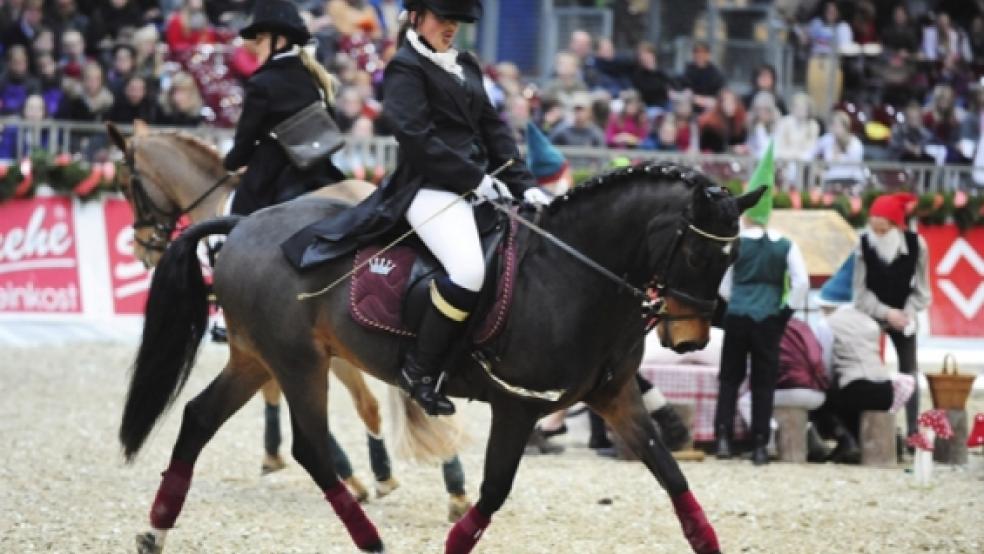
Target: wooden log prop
<point>878,439</point>
<point>953,450</point>
<point>792,433</point>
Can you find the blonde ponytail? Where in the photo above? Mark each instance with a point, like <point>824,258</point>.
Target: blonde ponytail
<point>320,74</point>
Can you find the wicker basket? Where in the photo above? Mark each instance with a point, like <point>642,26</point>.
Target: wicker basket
<point>949,388</point>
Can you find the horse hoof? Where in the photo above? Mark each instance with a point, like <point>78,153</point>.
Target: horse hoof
<point>458,506</point>
<point>385,487</point>
<point>271,464</point>
<point>147,544</point>
<point>357,489</point>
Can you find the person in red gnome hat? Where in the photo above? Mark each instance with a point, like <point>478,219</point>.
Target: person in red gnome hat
<point>891,282</point>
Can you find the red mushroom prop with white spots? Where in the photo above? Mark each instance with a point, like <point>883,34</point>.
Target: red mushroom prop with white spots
<point>976,437</point>
<point>932,424</point>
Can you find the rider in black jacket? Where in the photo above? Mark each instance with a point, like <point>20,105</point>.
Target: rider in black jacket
<point>289,80</point>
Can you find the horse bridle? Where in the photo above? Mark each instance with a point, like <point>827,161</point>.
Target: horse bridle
<point>147,214</point>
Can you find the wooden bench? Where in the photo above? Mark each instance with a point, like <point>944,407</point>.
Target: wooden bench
<point>878,439</point>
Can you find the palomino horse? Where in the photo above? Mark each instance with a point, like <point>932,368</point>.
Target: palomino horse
<point>572,334</point>
<point>167,173</point>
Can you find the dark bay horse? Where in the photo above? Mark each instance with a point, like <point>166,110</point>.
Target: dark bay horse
<point>570,330</point>
<point>166,173</point>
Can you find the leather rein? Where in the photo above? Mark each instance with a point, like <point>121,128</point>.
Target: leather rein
<point>651,295</point>
<point>147,214</point>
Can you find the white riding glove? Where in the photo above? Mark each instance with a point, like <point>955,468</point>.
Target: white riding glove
<point>491,189</point>
<point>537,196</point>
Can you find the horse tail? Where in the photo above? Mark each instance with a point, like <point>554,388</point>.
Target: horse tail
<point>418,436</point>
<point>174,322</point>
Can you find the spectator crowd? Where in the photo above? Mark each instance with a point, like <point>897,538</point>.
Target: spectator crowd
<point>881,82</point>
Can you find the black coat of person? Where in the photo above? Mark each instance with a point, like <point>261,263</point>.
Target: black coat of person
<point>450,137</point>
<point>280,88</point>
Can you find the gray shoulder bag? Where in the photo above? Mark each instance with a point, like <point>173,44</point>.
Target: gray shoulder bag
<point>309,135</point>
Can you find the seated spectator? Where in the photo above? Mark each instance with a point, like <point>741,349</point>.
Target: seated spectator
<point>899,80</point>
<point>975,38</point>
<point>62,15</point>
<point>16,82</point>
<point>703,77</point>
<point>723,128</point>
<point>348,108</point>
<point>244,61</point>
<point>388,14</point>
<point>134,103</point>
<point>629,127</point>
<point>827,34</point>
<point>863,382</point>
<point>228,13</point>
<point>910,137</point>
<point>518,115</point>
<point>797,135</point>
<point>764,80</point>
<point>581,131</point>
<point>970,129</point>
<point>352,18</point>
<point>88,100</point>
<point>901,36</point>
<point>109,19</point>
<point>762,123</point>
<point>49,82</point>
<point>356,161</point>
<point>73,57</point>
<point>43,43</point>
<point>31,137</point>
<point>664,139</point>
<point>124,67</point>
<point>148,59</point>
<point>582,47</point>
<point>688,133</point>
<point>642,73</point>
<point>842,151</point>
<point>189,27</point>
<point>508,79</point>
<point>863,27</point>
<point>942,117</point>
<point>566,80</point>
<point>944,40</point>
<point>551,114</point>
<point>181,103</point>
<point>25,27</point>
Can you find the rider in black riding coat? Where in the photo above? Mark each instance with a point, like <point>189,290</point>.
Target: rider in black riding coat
<point>289,80</point>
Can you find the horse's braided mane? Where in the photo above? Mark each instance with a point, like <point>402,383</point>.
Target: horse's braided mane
<point>661,172</point>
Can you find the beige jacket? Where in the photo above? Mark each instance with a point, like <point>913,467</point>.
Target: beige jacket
<point>855,348</point>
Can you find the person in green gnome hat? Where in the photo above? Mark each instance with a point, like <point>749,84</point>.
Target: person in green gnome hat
<point>768,273</point>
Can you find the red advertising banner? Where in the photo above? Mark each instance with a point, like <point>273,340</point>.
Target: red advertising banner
<point>956,273</point>
<point>39,265</point>
<point>129,279</point>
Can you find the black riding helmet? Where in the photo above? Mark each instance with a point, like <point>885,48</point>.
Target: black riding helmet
<point>466,11</point>
<point>279,17</point>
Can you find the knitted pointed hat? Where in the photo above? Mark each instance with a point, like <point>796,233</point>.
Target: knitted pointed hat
<point>838,289</point>
<point>764,176</point>
<point>543,158</point>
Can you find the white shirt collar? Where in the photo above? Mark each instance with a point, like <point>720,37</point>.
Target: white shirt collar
<point>448,61</point>
<point>294,50</point>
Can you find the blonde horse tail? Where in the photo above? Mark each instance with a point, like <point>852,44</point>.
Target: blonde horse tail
<point>419,437</point>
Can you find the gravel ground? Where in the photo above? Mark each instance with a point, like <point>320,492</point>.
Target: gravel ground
<point>65,488</point>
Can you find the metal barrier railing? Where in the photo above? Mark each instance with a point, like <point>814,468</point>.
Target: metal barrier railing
<point>90,141</point>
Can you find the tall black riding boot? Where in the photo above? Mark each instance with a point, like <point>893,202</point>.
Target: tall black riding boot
<point>441,326</point>
<point>760,453</point>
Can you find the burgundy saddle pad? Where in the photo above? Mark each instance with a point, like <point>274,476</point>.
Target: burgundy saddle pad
<point>378,290</point>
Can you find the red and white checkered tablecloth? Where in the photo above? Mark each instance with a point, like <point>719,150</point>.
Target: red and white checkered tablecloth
<point>694,384</point>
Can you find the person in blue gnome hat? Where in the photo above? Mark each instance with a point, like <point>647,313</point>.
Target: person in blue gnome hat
<point>769,271</point>
<point>548,165</point>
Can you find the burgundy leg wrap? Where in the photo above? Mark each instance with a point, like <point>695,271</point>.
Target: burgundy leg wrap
<point>362,531</point>
<point>696,528</point>
<point>465,534</point>
<point>175,482</point>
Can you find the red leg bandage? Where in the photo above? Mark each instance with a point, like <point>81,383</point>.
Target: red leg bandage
<point>696,528</point>
<point>362,531</point>
<point>466,532</point>
<point>175,482</point>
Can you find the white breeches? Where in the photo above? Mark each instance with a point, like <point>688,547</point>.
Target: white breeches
<point>452,236</point>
